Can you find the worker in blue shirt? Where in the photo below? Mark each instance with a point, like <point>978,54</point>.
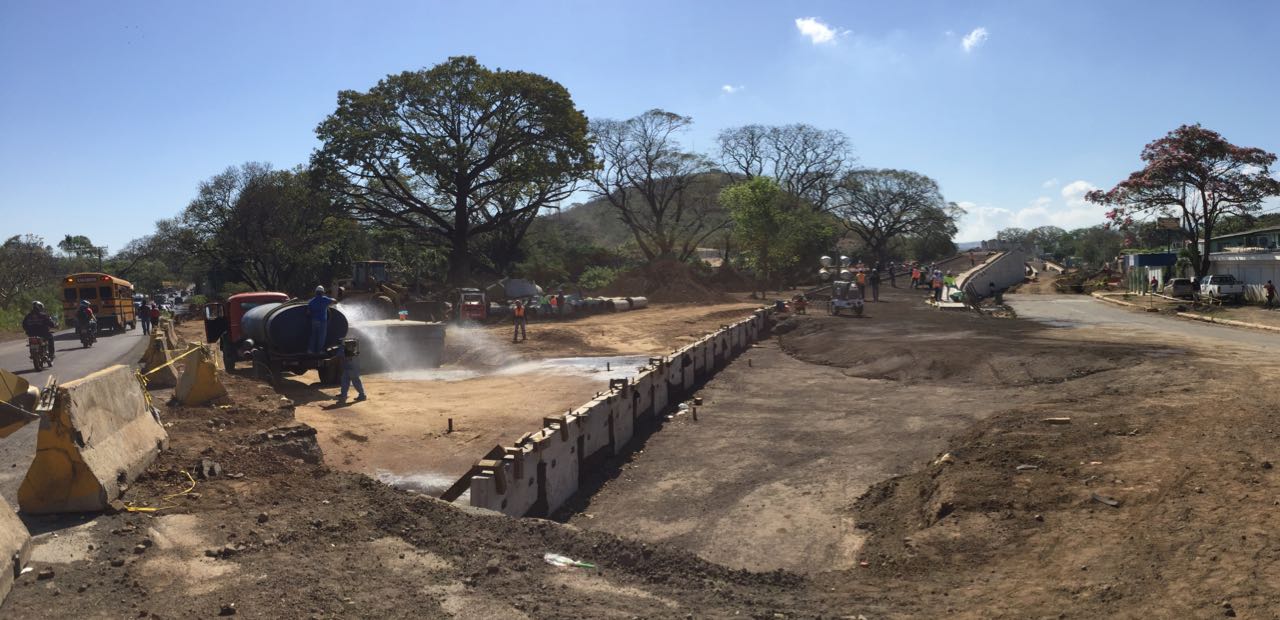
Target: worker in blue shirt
<point>318,310</point>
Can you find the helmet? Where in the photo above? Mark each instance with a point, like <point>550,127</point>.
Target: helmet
<point>84,303</point>
<point>319,290</point>
<point>37,306</point>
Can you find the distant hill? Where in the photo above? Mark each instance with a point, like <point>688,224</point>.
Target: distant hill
<point>598,220</point>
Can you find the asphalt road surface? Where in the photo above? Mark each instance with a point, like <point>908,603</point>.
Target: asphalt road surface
<point>1083,311</point>
<point>71,361</point>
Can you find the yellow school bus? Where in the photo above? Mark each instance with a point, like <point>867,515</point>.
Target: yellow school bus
<point>110,297</point>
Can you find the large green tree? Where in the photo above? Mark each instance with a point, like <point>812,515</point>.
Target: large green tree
<point>1196,175</point>
<point>773,236</point>
<point>271,229</point>
<point>454,151</point>
<point>880,205</point>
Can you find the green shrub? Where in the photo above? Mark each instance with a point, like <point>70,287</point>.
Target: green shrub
<point>596,277</point>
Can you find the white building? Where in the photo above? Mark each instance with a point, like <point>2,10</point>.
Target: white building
<point>1252,256</point>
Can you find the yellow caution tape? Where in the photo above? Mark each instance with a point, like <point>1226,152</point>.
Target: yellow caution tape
<point>167,500</point>
<point>170,362</point>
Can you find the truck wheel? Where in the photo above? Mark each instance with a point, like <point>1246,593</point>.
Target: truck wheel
<point>228,352</point>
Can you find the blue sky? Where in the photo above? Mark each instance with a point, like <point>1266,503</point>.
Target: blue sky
<point>113,112</point>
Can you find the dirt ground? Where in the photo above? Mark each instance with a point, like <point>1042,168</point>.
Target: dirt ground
<point>494,390</point>
<point>902,463</point>
<point>897,465</point>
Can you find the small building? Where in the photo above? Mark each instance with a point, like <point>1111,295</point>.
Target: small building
<point>1140,268</point>
<point>1251,256</point>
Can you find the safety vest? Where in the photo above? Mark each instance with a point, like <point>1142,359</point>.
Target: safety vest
<point>519,312</point>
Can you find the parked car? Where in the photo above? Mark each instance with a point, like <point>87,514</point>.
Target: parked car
<point>1179,287</point>
<point>1222,287</point>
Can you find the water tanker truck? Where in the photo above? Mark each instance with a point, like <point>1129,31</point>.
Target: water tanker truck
<point>272,331</point>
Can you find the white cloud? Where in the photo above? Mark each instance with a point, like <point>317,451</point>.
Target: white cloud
<point>818,32</point>
<point>975,38</point>
<point>1051,183</point>
<point>730,89</point>
<point>1068,212</point>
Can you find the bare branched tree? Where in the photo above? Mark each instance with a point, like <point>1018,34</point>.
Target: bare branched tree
<point>807,162</point>
<point>658,189</point>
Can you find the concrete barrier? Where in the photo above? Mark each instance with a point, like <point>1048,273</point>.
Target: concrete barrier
<point>155,364</point>
<point>15,549</point>
<point>542,472</point>
<point>199,382</point>
<point>97,438</point>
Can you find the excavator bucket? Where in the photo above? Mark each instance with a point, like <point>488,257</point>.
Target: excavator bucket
<point>199,382</point>
<point>97,434</point>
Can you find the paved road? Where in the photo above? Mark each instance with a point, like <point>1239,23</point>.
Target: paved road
<point>72,362</point>
<point>1085,311</point>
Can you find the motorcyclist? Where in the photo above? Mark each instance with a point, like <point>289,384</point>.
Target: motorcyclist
<point>38,324</point>
<point>85,319</point>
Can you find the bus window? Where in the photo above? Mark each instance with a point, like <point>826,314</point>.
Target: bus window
<point>105,291</point>
<point>69,294</point>
<point>88,292</point>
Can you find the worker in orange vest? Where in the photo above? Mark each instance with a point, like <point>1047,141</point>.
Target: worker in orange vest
<point>520,321</point>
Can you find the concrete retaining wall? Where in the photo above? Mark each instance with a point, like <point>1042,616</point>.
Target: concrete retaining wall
<point>542,472</point>
<point>1004,270</point>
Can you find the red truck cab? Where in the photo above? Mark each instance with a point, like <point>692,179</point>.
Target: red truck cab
<point>222,320</point>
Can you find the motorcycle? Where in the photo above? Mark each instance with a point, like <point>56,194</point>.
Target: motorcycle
<point>39,349</point>
<point>88,335</point>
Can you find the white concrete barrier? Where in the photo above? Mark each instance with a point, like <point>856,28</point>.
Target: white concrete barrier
<point>542,472</point>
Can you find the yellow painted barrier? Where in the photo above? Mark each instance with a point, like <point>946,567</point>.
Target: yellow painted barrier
<point>157,364</point>
<point>97,437</point>
<point>199,382</point>
<point>15,548</point>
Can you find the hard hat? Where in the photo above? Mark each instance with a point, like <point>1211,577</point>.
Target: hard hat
<point>36,305</point>
<point>84,302</point>
<point>319,290</point>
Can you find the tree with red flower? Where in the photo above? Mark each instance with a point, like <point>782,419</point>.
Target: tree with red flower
<point>1197,175</point>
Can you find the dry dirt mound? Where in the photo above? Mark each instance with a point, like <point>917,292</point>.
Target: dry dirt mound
<point>666,282</point>
<point>1011,354</point>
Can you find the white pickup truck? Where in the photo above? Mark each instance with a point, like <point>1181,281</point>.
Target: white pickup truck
<point>1222,287</point>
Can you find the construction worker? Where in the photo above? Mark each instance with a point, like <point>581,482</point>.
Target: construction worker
<point>348,356</point>
<point>915,276</point>
<point>893,275</point>
<point>519,321</point>
<point>875,284</point>
<point>1271,294</point>
<point>37,324</point>
<point>318,310</point>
